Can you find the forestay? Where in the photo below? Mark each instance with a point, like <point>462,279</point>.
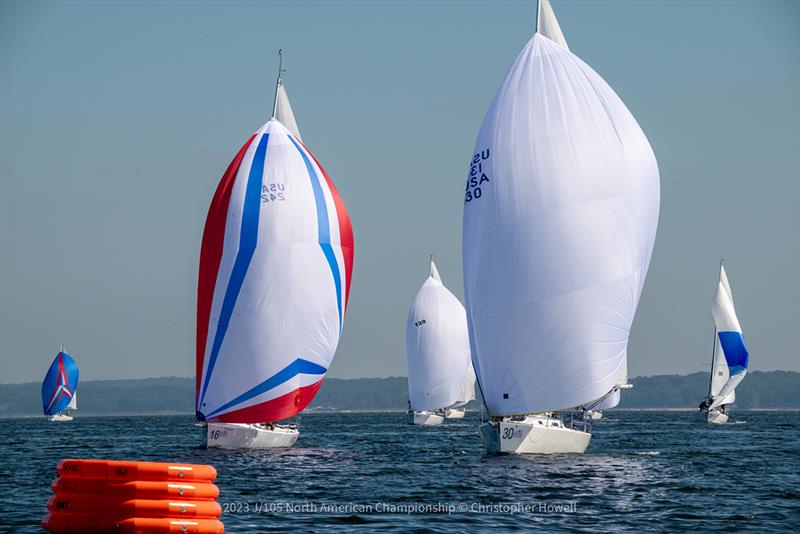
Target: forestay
<point>560,215</point>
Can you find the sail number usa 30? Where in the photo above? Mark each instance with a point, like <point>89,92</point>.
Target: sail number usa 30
<point>477,175</point>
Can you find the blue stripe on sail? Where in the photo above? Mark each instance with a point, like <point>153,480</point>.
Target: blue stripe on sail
<point>735,351</point>
<point>297,367</point>
<point>323,228</point>
<point>248,238</point>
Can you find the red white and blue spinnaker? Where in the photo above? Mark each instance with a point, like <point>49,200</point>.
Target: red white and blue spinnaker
<point>60,385</point>
<point>275,268</point>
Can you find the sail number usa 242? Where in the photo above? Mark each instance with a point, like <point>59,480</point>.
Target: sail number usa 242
<point>477,177</point>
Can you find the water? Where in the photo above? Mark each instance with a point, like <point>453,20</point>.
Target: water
<point>643,472</point>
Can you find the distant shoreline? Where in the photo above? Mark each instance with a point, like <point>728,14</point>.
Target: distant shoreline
<point>368,411</point>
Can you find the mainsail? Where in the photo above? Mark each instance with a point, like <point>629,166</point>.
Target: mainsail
<point>730,360</point>
<point>467,392</point>
<point>437,346</point>
<point>275,267</point>
<point>560,214</point>
<point>60,385</point>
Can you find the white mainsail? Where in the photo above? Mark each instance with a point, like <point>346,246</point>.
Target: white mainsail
<point>560,215</point>
<point>547,24</point>
<point>437,346</point>
<point>73,403</point>
<point>284,113</point>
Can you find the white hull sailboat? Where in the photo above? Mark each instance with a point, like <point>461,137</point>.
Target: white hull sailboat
<point>275,268</point>
<point>60,388</point>
<point>253,436</point>
<point>729,356</point>
<point>437,352</point>
<point>425,418</point>
<point>59,417</point>
<point>533,434</point>
<point>560,215</point>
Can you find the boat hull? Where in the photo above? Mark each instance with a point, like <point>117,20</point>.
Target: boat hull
<point>425,418</point>
<point>454,413</point>
<point>535,434</point>
<point>716,417</point>
<point>242,436</point>
<point>59,418</point>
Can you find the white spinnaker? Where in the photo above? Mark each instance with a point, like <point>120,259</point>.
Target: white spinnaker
<point>73,403</point>
<point>560,217</point>
<point>286,308</point>
<point>284,113</point>
<point>437,346</point>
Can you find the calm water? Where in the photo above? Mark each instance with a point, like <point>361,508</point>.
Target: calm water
<point>642,472</point>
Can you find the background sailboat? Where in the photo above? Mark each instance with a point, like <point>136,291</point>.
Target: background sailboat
<point>60,388</point>
<point>729,357</point>
<point>560,214</point>
<point>437,351</point>
<point>275,270</point>
<point>467,394</point>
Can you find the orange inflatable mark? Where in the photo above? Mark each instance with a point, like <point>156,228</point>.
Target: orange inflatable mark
<point>114,508</point>
<point>91,524</point>
<point>136,489</point>
<point>125,471</point>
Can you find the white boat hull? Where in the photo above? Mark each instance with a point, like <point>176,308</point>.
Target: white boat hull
<point>59,417</point>
<point>242,436</point>
<point>425,418</point>
<point>716,417</point>
<point>454,413</point>
<point>535,434</point>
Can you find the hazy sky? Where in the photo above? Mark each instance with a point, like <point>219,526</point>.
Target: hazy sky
<point>117,120</point>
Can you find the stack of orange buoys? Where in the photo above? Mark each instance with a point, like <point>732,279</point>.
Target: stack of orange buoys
<point>92,496</point>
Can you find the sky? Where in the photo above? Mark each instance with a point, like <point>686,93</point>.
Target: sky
<point>117,120</point>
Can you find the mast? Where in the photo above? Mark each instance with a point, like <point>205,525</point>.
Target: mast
<point>278,82</point>
<point>714,341</point>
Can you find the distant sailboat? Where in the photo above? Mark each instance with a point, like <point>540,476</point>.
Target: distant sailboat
<point>729,357</point>
<point>60,388</point>
<point>275,268</point>
<point>560,215</point>
<point>467,394</point>
<point>437,351</point>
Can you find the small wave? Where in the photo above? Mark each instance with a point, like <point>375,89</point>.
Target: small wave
<point>648,453</point>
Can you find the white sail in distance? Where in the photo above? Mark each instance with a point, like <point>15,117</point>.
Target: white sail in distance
<point>560,214</point>
<point>731,346</point>
<point>437,346</point>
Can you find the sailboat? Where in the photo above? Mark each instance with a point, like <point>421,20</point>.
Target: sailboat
<point>437,351</point>
<point>729,357</point>
<point>60,388</point>
<point>467,394</point>
<point>560,215</point>
<point>275,271</point>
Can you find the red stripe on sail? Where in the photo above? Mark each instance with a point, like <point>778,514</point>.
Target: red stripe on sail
<point>283,407</point>
<point>211,255</point>
<point>345,228</point>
